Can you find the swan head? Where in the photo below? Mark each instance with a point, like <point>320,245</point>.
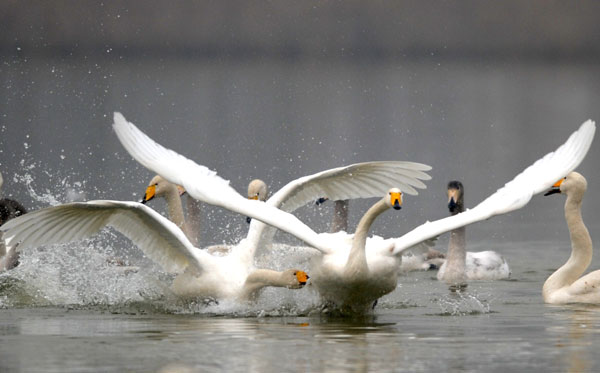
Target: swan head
<point>573,184</point>
<point>456,202</point>
<point>257,190</point>
<point>158,187</point>
<point>294,278</point>
<point>394,198</point>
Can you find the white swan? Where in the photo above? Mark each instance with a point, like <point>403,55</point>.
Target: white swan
<point>566,284</point>
<point>461,265</point>
<point>200,275</point>
<point>206,186</point>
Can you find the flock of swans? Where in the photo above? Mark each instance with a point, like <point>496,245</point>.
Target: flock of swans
<point>350,271</point>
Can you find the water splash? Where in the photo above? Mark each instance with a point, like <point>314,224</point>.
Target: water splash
<point>461,303</point>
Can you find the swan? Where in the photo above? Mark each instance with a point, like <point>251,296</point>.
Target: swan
<point>9,209</point>
<point>358,291</point>
<point>200,275</point>
<point>565,285</point>
<point>461,265</point>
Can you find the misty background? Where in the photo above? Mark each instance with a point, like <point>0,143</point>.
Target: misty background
<point>278,90</point>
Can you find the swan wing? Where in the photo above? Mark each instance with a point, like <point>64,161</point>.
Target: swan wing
<point>159,238</point>
<point>360,180</point>
<point>536,178</point>
<point>205,185</point>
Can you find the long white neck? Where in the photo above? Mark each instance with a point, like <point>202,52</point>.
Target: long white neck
<point>581,248</point>
<point>340,216</point>
<point>259,279</point>
<point>357,259</point>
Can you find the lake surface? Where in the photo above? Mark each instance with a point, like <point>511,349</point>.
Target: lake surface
<point>82,315</point>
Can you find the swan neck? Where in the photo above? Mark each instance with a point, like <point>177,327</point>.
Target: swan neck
<point>581,248</point>
<point>455,272</point>
<point>340,216</point>
<point>357,260</point>
<point>259,279</point>
<point>175,208</point>
<point>259,235</point>
<point>193,223</point>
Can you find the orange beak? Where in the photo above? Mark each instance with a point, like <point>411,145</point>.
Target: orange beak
<point>396,200</point>
<point>302,277</point>
<point>150,193</point>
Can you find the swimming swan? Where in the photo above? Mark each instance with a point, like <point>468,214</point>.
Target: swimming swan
<point>200,275</point>
<point>205,185</point>
<point>565,285</point>
<point>461,265</point>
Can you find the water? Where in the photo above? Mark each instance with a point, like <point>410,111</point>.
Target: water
<point>100,319</point>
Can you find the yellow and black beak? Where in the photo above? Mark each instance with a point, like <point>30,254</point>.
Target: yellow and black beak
<point>555,188</point>
<point>396,200</point>
<point>150,193</point>
<point>302,277</point>
<point>452,198</point>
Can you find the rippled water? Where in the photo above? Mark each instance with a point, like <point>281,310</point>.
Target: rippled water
<point>67,308</point>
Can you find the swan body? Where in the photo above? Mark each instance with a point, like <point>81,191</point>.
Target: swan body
<point>200,275</point>
<point>567,285</point>
<point>353,278</point>
<point>351,269</point>
<point>461,265</point>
